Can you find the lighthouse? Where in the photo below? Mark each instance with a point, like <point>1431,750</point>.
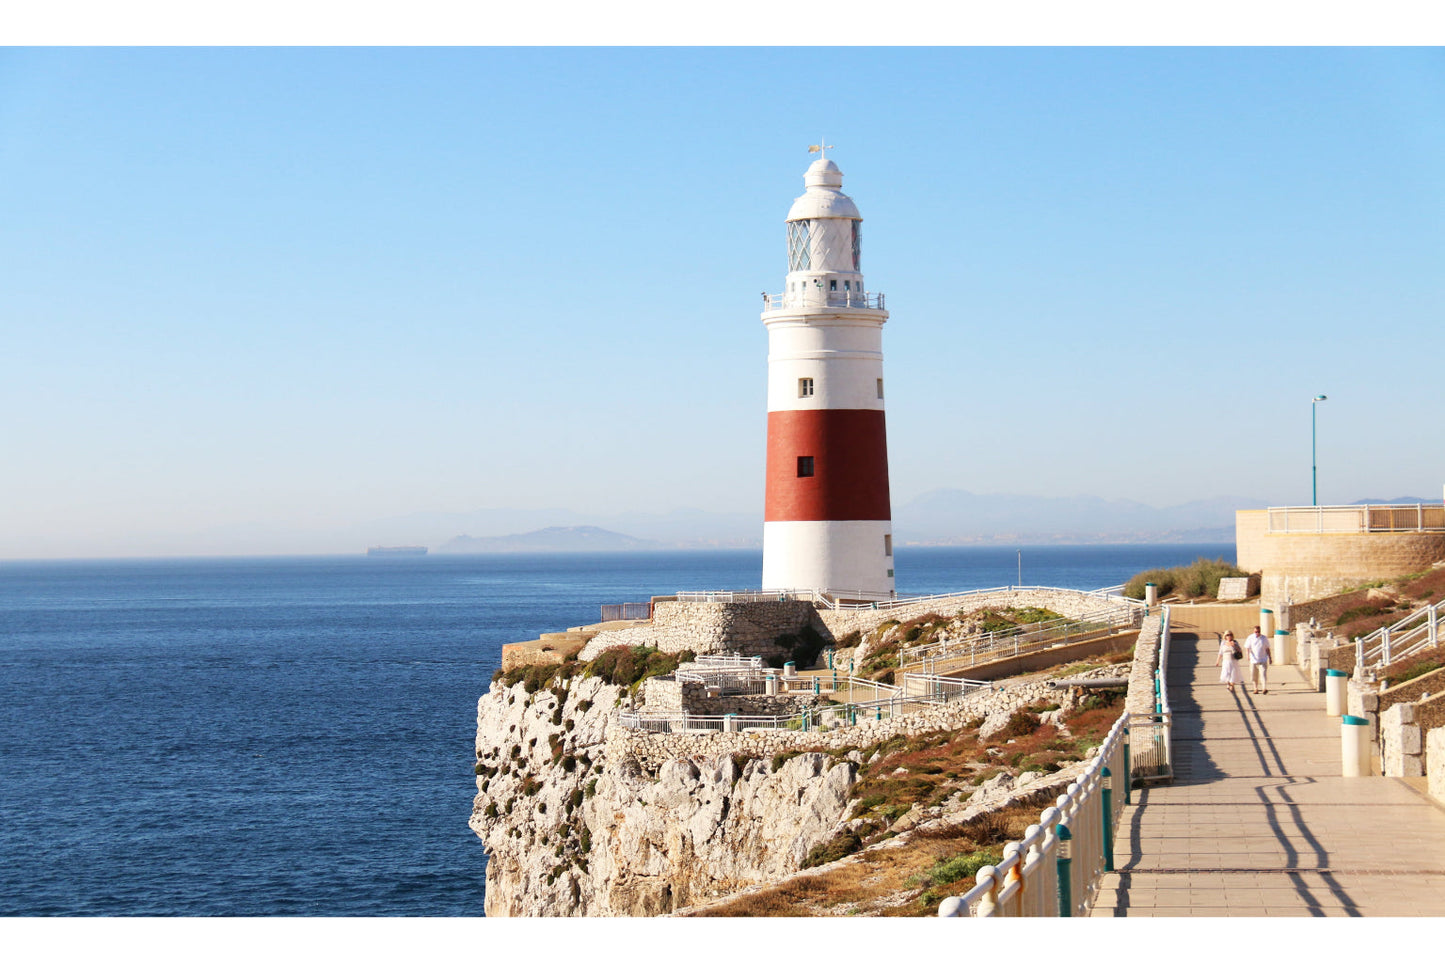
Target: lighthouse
<point>826,522</point>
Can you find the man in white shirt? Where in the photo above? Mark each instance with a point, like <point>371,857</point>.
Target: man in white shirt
<point>1258,648</point>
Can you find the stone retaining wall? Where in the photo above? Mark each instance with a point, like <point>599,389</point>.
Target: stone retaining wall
<point>1435,760</point>
<point>752,628</point>
<point>1140,698</point>
<point>992,706</point>
<point>738,628</point>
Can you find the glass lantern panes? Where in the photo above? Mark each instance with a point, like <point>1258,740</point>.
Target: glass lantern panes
<point>799,255</point>
<point>857,245</point>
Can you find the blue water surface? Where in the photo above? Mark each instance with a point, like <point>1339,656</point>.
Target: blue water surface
<point>293,736</point>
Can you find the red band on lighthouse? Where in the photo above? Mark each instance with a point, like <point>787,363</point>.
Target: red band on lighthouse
<point>849,449</point>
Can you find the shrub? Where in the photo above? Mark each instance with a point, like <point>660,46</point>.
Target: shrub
<point>491,810</point>
<point>783,757</point>
<point>1021,723</point>
<point>947,871</point>
<point>1199,578</point>
<point>836,848</point>
<point>1359,612</point>
<point>627,666</point>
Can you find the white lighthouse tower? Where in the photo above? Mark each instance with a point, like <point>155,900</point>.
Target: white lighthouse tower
<point>827,522</point>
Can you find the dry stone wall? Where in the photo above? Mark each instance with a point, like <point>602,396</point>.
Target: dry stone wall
<point>752,628</point>
<point>742,628</point>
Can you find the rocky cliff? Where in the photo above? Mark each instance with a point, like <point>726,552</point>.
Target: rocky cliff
<point>585,818</point>
<point>579,826</point>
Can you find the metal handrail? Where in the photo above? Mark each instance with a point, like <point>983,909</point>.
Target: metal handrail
<point>1025,637</point>
<point>1055,870</point>
<point>809,298</point>
<point>879,600</point>
<point>1414,633</point>
<point>1356,518</point>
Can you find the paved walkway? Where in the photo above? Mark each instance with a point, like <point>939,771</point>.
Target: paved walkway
<point>1258,820</point>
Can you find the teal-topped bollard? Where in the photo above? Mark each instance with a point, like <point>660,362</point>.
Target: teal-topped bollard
<point>1354,746</point>
<point>1336,687</point>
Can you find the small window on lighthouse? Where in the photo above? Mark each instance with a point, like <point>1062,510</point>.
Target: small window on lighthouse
<point>880,387</point>
<point>833,285</point>
<point>805,387</point>
<point>887,544</point>
<point>805,466</point>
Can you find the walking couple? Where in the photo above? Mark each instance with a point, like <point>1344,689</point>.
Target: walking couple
<point>1230,655</point>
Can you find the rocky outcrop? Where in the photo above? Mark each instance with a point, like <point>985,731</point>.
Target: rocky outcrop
<point>577,827</point>
<point>584,818</point>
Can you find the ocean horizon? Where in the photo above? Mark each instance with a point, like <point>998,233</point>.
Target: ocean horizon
<point>293,735</point>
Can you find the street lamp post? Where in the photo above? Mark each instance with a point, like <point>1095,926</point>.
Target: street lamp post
<point>1314,461</point>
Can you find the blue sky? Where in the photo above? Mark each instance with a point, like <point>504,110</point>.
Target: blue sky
<point>308,288</point>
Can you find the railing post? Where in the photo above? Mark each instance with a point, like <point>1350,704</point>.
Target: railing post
<point>988,902</point>
<point>1128,782</point>
<point>1108,815</point>
<point>1064,869</point>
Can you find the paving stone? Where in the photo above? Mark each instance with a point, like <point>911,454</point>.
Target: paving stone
<point>1259,821</point>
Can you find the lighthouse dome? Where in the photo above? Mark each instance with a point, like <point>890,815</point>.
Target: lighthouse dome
<point>824,197</point>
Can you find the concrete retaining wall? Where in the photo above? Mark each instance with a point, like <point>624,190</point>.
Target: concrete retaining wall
<point>1302,566</point>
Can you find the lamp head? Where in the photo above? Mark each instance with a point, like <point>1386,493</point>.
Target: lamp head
<point>1320,398</point>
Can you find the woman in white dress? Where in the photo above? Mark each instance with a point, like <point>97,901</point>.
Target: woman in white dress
<point>1230,673</point>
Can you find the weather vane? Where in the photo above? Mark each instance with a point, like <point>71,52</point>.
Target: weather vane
<point>820,148</point>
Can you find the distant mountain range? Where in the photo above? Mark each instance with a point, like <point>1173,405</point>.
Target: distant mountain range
<point>942,517</point>
<point>572,538</point>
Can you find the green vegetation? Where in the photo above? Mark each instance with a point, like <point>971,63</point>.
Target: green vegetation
<point>627,666</point>
<point>843,844</point>
<point>1200,578</point>
<point>1360,612</point>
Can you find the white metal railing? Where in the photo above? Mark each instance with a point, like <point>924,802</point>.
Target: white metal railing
<point>1356,518</point>
<point>746,595</point>
<point>1026,637</point>
<point>892,702</point>
<point>918,683</point>
<point>879,600</point>
<point>1057,867</point>
<point>811,297</point>
<point>1414,633</point>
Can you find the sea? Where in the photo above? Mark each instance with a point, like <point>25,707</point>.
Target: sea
<point>294,736</point>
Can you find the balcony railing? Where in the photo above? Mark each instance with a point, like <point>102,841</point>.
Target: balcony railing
<point>823,299</point>
<point>1357,518</point>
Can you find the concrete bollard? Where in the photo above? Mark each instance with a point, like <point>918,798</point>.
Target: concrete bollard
<point>790,670</point>
<point>1151,594</point>
<point>1266,622</point>
<point>1355,746</point>
<point>1336,688</point>
<point>1283,648</point>
<point>770,684</point>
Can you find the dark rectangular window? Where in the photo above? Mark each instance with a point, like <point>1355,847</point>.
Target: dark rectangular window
<point>805,466</point>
